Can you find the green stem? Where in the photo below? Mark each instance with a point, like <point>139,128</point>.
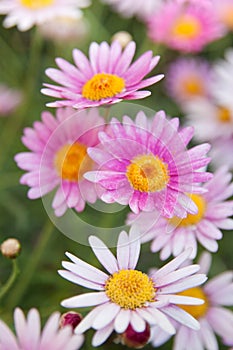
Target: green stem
<point>9,283</point>
<point>32,264</point>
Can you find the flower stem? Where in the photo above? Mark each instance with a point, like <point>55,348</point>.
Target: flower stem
<point>32,264</point>
<point>9,283</point>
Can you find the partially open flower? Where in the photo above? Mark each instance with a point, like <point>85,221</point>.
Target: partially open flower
<point>133,339</point>
<point>71,318</point>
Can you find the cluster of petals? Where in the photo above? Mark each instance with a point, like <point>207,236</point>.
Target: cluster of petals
<point>27,13</point>
<point>46,140</point>
<point>29,334</point>
<point>217,319</point>
<point>186,26</point>
<point>160,144</point>
<point>10,99</point>
<point>108,314</point>
<point>170,237</point>
<point>107,77</point>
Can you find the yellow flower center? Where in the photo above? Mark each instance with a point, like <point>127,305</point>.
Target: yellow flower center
<point>191,219</point>
<point>227,16</point>
<point>36,4</point>
<point>147,173</point>
<point>103,85</point>
<point>193,86</point>
<point>196,311</point>
<point>224,115</point>
<point>72,161</point>
<point>130,289</point>
<point>186,27</point>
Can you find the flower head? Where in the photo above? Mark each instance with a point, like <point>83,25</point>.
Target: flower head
<point>185,26</point>
<point>27,13</point>
<point>106,78</point>
<point>128,296</point>
<point>172,236</point>
<point>29,335</point>
<point>58,157</point>
<point>146,164</point>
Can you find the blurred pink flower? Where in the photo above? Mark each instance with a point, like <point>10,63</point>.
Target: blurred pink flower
<point>10,99</point>
<point>58,157</point>
<point>107,77</point>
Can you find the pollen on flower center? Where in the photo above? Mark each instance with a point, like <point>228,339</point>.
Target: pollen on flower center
<point>72,161</point>
<point>186,27</point>
<point>130,289</point>
<point>224,115</point>
<point>193,86</point>
<point>196,311</point>
<point>35,4</point>
<point>147,173</point>
<point>191,219</point>
<point>103,85</point>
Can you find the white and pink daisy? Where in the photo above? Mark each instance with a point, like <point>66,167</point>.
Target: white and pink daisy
<point>188,78</point>
<point>184,26</point>
<point>27,13</point>
<point>29,335</point>
<point>10,99</point>
<point>124,296</point>
<point>172,236</point>
<point>213,318</point>
<point>211,120</point>
<point>107,77</point>
<point>145,163</point>
<point>129,8</point>
<point>58,157</point>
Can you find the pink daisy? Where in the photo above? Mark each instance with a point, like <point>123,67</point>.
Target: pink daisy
<point>58,157</point>
<point>146,164</point>
<point>27,13</point>
<point>175,235</point>
<point>107,77</point>
<point>184,26</point>
<point>30,337</point>
<point>127,296</point>
<point>213,318</point>
<point>188,78</point>
<point>10,99</point>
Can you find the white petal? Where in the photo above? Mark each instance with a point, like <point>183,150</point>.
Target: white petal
<point>123,251</point>
<point>84,300</point>
<point>181,316</point>
<point>101,335</point>
<point>135,246</point>
<point>163,321</point>
<point>106,316</point>
<point>122,320</point>
<point>79,280</point>
<point>137,323</point>
<point>103,254</point>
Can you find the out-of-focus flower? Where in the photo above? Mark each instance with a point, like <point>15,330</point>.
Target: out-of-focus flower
<point>224,12</point>
<point>126,296</point>
<point>145,164</point>
<point>122,37</point>
<point>185,26</point>
<point>221,152</point>
<point>188,78</point>
<point>10,248</point>
<point>213,318</point>
<point>175,235</point>
<point>65,29</point>
<point>10,99</point>
<point>27,13</point>
<point>140,8</point>
<point>58,157</point>
<point>107,77</point>
<point>29,335</point>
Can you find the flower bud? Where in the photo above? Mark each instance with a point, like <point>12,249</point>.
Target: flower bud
<point>10,248</point>
<point>71,318</point>
<point>122,37</point>
<point>133,339</point>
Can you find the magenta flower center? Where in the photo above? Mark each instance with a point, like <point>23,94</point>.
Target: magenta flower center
<point>103,85</point>
<point>147,173</point>
<point>72,161</point>
<point>35,4</point>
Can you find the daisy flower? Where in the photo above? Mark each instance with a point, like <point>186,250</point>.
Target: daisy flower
<point>10,99</point>
<point>184,26</point>
<point>29,334</point>
<point>27,13</point>
<point>224,12</point>
<point>213,318</point>
<point>126,296</point>
<point>58,157</point>
<point>188,78</point>
<point>129,8</point>
<point>107,77</point>
<point>210,119</point>
<point>175,235</point>
<point>145,163</point>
